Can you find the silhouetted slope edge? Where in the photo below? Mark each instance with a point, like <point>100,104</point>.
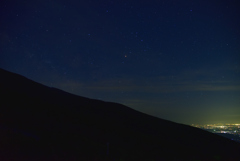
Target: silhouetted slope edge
<point>42,123</point>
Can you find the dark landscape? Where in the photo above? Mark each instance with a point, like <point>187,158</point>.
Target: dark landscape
<point>43,123</point>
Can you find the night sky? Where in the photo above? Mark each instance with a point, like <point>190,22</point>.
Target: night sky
<point>177,60</point>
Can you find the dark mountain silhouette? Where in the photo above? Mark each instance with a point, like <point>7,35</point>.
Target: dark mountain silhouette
<point>42,123</point>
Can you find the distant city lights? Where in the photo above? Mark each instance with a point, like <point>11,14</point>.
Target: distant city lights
<point>230,131</point>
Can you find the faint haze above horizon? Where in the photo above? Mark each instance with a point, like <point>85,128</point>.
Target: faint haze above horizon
<point>176,60</point>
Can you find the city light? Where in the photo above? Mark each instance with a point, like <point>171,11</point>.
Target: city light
<point>230,131</point>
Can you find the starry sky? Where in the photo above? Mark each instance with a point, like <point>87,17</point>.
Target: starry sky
<point>177,60</point>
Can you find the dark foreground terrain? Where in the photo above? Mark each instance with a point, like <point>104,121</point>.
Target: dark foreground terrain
<point>42,123</point>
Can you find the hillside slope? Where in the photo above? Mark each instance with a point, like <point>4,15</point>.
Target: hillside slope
<point>42,123</point>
